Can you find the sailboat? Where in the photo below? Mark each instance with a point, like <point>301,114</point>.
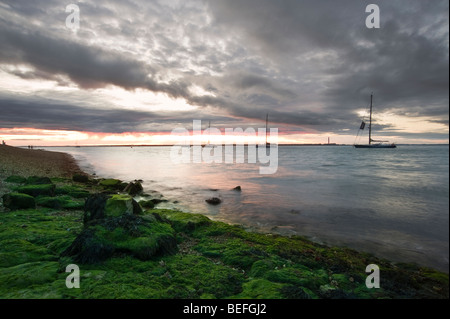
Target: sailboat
<point>377,144</point>
<point>209,137</point>
<point>267,122</point>
<point>267,142</point>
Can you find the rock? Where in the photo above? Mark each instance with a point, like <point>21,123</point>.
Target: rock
<point>157,201</point>
<point>237,188</point>
<point>59,202</point>
<point>147,204</point>
<point>36,180</point>
<point>38,190</point>
<point>15,201</point>
<point>183,222</point>
<point>133,188</point>
<point>80,178</point>
<point>114,184</point>
<point>94,207</point>
<point>213,201</point>
<point>140,237</point>
<point>87,249</point>
<point>16,179</point>
<point>99,206</point>
<point>121,204</point>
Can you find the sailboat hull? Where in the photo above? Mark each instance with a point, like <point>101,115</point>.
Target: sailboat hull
<point>376,146</point>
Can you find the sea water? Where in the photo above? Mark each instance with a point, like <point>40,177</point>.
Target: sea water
<point>393,203</point>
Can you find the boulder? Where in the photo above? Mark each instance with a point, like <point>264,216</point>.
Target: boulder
<point>16,179</point>
<point>15,201</point>
<point>59,202</point>
<point>111,227</point>
<point>99,206</point>
<point>213,201</point>
<point>37,190</point>
<point>94,207</point>
<point>37,180</point>
<point>118,205</point>
<point>157,201</point>
<point>237,188</point>
<point>147,204</point>
<point>133,188</point>
<point>112,184</point>
<point>80,178</point>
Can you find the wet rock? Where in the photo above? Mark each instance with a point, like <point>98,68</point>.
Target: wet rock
<point>118,205</point>
<point>59,202</point>
<point>140,237</point>
<point>133,188</point>
<point>16,179</point>
<point>15,201</point>
<point>94,207</point>
<point>38,190</point>
<point>112,184</point>
<point>157,201</point>
<point>213,201</point>
<point>36,180</point>
<point>80,178</point>
<point>237,189</point>
<point>100,206</point>
<point>148,204</point>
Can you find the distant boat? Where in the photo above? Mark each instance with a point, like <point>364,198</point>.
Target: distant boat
<point>267,122</point>
<point>209,137</point>
<point>377,144</point>
<point>267,142</point>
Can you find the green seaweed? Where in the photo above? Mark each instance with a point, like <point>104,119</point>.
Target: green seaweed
<point>214,259</point>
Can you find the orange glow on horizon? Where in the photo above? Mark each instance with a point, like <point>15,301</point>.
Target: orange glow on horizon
<point>42,137</point>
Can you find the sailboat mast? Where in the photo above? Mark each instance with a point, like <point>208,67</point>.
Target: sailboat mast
<point>267,120</point>
<point>209,132</point>
<point>370,121</point>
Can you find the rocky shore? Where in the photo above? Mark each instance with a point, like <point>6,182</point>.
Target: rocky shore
<point>52,215</point>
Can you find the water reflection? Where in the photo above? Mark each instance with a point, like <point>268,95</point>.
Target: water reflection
<point>370,200</point>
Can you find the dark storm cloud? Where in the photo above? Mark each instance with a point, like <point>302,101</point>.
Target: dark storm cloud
<point>306,63</point>
<point>48,114</point>
<point>88,66</point>
<point>405,61</point>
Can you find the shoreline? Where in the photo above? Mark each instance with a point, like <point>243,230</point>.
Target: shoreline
<point>332,268</point>
<point>19,161</point>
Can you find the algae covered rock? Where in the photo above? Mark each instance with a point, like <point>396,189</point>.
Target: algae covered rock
<point>59,202</point>
<point>112,184</point>
<point>38,180</point>
<point>112,226</point>
<point>121,204</point>
<point>133,188</point>
<point>128,234</point>
<point>37,190</point>
<point>16,201</point>
<point>80,178</point>
<point>183,222</point>
<point>16,179</point>
<point>147,204</point>
<point>100,206</point>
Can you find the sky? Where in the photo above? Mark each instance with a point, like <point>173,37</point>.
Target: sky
<point>135,70</point>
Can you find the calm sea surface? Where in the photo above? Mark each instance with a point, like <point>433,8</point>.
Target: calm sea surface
<point>391,202</point>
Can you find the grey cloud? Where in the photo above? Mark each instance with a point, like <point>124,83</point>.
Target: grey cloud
<point>306,63</point>
<point>55,115</point>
